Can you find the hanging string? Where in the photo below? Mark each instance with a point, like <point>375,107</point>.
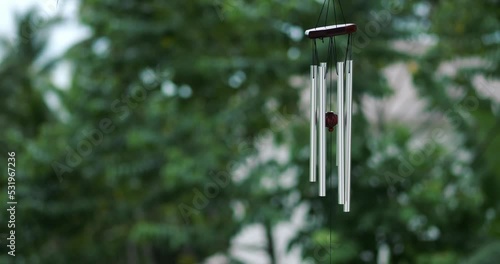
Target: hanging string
<point>315,58</point>
<point>331,73</point>
<point>335,11</point>
<point>327,8</point>
<point>331,155</point>
<point>334,57</point>
<point>342,11</point>
<point>334,50</point>
<point>332,200</point>
<point>312,53</point>
<point>332,60</point>
<point>349,39</point>
<point>328,54</point>
<point>348,49</point>
<point>334,43</point>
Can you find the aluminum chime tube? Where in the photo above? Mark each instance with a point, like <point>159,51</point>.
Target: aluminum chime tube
<point>312,165</point>
<point>340,130</point>
<point>348,126</point>
<point>344,129</point>
<point>322,130</point>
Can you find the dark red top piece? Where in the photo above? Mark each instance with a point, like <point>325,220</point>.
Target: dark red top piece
<point>330,31</point>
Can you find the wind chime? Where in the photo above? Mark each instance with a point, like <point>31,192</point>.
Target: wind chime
<point>322,116</point>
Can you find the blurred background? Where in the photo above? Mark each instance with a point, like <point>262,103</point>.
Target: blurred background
<point>177,132</point>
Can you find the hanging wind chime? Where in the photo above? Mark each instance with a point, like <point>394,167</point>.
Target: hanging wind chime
<point>322,116</point>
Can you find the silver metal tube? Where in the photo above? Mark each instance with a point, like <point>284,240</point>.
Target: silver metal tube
<point>322,132</point>
<point>340,129</point>
<point>312,165</point>
<point>337,144</point>
<point>347,204</point>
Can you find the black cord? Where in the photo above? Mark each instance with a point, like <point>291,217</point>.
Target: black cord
<point>332,187</point>
<point>335,56</point>
<point>321,12</point>
<point>348,51</point>
<point>342,11</point>
<point>313,51</point>
<point>350,46</point>
<point>331,81</point>
<point>330,47</point>
<point>332,54</point>
<point>330,97</point>
<point>335,12</point>
<point>332,199</point>
<point>334,42</point>
<point>315,54</point>
<point>327,7</point>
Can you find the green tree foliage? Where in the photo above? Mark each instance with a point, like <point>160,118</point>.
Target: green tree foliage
<point>465,32</point>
